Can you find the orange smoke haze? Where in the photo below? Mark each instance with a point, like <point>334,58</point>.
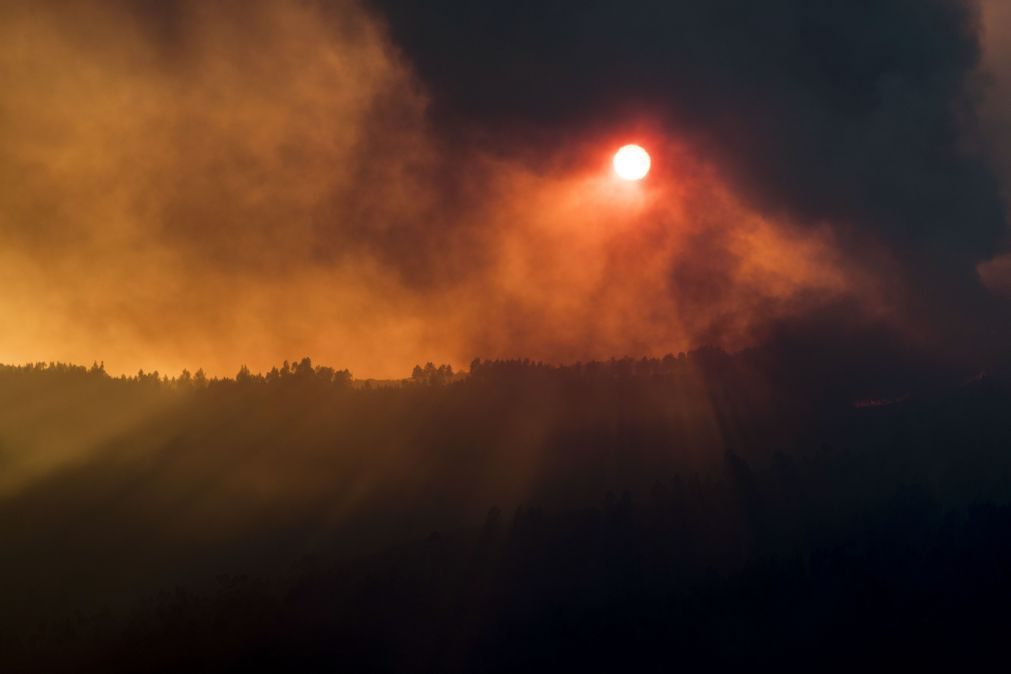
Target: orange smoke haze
<point>250,191</point>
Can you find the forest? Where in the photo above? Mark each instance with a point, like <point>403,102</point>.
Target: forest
<point>699,509</point>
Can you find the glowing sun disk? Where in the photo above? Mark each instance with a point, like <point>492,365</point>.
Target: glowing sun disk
<point>631,162</point>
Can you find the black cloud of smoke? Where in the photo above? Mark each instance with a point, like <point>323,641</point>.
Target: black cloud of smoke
<point>861,114</point>
<point>854,112</point>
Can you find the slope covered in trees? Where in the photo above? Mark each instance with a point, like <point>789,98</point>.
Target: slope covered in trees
<point>516,516</point>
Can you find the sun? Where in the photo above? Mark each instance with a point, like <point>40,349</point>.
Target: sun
<point>631,163</point>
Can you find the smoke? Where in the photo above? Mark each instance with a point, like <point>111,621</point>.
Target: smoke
<point>191,184</point>
<point>996,115</point>
<point>860,116</point>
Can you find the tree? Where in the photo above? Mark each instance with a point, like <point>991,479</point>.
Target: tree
<point>244,376</point>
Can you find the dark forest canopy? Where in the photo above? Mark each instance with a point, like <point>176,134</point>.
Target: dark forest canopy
<point>367,524</point>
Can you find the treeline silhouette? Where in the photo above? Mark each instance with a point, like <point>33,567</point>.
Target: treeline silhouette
<point>688,511</point>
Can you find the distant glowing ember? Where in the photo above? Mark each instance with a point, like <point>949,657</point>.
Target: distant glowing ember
<point>631,163</point>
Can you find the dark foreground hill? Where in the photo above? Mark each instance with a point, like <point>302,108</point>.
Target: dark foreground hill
<point>683,512</point>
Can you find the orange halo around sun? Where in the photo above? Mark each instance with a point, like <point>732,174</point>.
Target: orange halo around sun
<point>631,163</point>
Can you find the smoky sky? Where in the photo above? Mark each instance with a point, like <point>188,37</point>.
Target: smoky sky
<point>860,113</point>
<point>383,182</point>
